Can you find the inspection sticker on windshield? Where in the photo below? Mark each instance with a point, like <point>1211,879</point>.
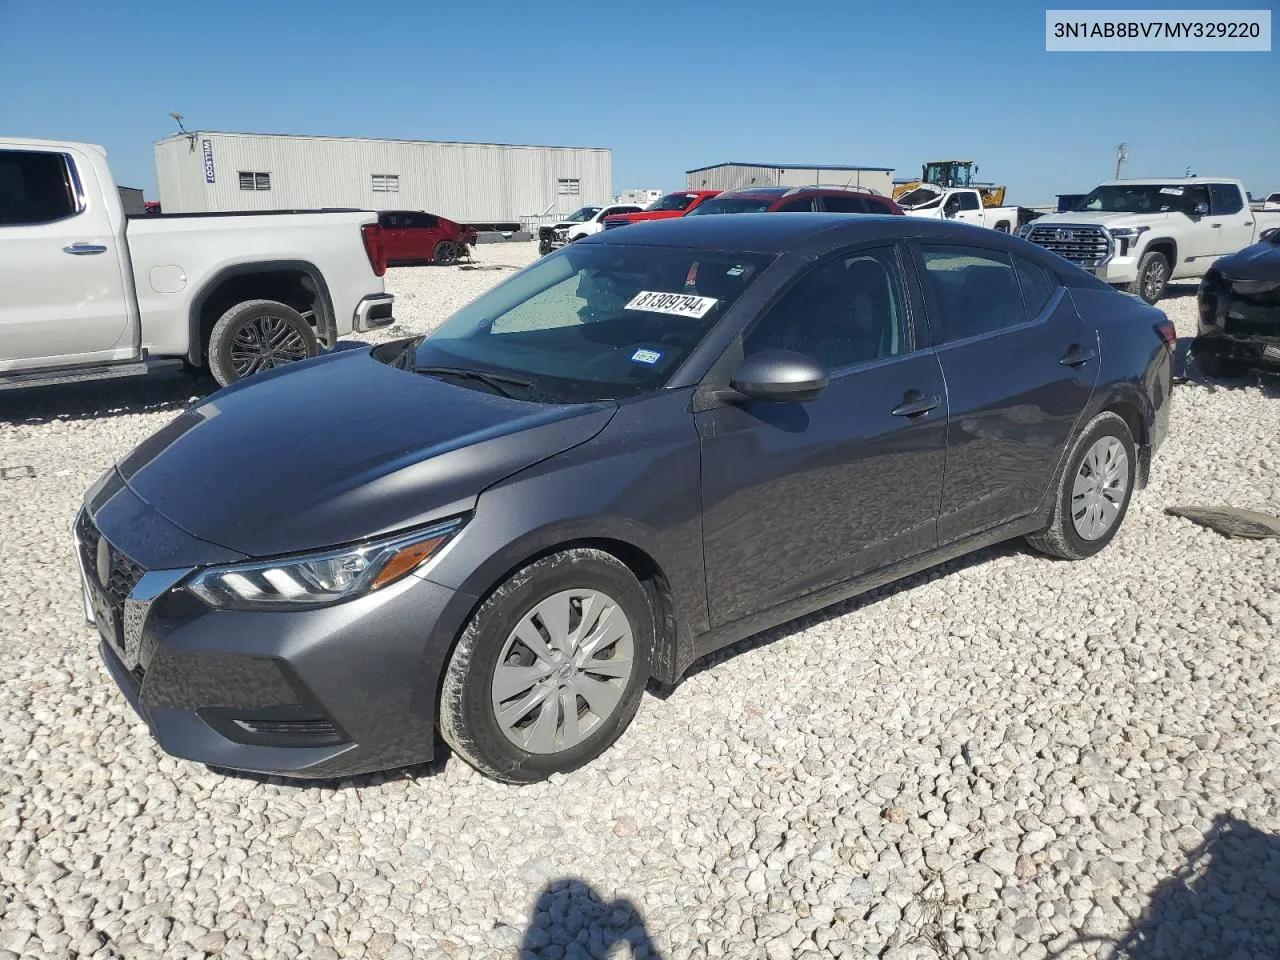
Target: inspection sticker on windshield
<point>646,356</point>
<point>1172,191</point>
<point>676,304</point>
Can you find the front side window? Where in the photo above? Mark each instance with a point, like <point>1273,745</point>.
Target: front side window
<point>675,201</point>
<point>847,311</point>
<point>844,204</point>
<point>974,289</point>
<point>730,205</point>
<point>799,205</point>
<point>255,181</point>
<point>969,201</point>
<point>35,187</point>
<point>593,322</point>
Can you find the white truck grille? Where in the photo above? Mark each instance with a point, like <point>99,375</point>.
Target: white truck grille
<point>1085,246</point>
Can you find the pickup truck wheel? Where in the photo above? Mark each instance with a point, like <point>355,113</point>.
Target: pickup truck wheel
<point>258,335</point>
<point>446,253</point>
<point>1153,274</point>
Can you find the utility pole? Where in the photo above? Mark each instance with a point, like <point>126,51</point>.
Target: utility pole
<point>1122,154</point>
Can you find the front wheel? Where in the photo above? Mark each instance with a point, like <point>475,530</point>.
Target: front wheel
<point>258,335</point>
<point>446,253</point>
<point>1093,492</point>
<point>550,670</point>
<point>1153,275</point>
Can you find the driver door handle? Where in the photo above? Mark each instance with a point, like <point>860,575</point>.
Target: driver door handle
<point>1077,357</point>
<point>83,249</point>
<point>915,404</point>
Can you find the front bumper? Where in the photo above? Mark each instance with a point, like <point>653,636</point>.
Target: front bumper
<point>328,692</point>
<point>1117,270</point>
<point>372,312</point>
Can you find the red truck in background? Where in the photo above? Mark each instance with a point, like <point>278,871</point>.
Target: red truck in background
<point>672,205</point>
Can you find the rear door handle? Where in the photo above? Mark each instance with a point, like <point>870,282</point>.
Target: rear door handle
<point>1216,226</point>
<point>83,249</point>
<point>1076,357</point>
<point>915,404</point>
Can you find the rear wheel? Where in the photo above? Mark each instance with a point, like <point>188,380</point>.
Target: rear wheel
<point>1153,275</point>
<point>551,668</point>
<point>1093,492</point>
<point>446,253</point>
<point>258,335</point>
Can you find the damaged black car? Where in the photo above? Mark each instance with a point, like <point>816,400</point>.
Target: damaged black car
<point>1239,324</point>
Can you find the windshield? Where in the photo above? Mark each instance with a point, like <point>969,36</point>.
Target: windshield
<point>674,201</point>
<point>1143,198</point>
<point>593,322</point>
<point>583,215</point>
<point>920,198</point>
<point>727,205</point>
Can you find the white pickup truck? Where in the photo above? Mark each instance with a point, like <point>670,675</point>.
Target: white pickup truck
<point>1140,234</point>
<point>957,203</point>
<point>88,293</point>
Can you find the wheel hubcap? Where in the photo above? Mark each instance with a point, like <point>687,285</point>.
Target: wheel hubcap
<point>563,671</point>
<point>265,342</point>
<point>1155,280</point>
<point>1099,489</point>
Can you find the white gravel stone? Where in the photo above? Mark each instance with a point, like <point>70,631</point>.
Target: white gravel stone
<point>1054,741</point>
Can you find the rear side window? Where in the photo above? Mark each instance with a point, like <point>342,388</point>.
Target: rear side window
<point>844,204</point>
<point>35,188</point>
<point>427,221</point>
<point>1225,198</point>
<point>974,289</point>
<point>389,220</point>
<point>1038,285</point>
<point>875,205</point>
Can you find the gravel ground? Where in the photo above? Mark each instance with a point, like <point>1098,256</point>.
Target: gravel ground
<point>1007,756</point>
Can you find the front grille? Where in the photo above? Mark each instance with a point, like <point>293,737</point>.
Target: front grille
<point>123,573</point>
<point>1085,246</point>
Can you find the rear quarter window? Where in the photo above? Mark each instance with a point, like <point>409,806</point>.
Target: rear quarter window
<point>1038,285</point>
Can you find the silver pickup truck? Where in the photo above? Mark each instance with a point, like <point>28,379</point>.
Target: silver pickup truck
<point>88,293</point>
<point>1141,234</point>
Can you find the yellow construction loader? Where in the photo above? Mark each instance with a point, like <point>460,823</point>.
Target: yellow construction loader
<point>953,173</point>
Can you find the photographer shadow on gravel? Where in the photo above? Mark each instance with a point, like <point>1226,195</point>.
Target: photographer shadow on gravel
<point>1223,904</point>
<point>572,921</point>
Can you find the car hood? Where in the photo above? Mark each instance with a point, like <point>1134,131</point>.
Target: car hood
<point>1258,262</point>
<point>339,449</point>
<point>1106,219</point>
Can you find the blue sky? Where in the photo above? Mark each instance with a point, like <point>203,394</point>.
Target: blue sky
<point>667,86</point>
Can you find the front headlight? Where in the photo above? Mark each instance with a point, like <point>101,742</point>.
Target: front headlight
<point>319,579</point>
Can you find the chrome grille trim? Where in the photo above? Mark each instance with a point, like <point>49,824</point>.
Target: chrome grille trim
<point>1085,245</point>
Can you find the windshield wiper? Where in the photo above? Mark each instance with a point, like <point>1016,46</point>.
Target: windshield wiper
<point>494,381</point>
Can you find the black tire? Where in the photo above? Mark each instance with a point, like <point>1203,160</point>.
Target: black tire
<point>1216,367</point>
<point>1060,538</point>
<point>281,331</point>
<point>1153,277</point>
<point>468,722</point>
<point>446,252</point>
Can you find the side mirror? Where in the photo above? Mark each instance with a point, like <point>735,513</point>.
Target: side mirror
<point>780,376</point>
<point>1200,209</point>
<point>1271,236</point>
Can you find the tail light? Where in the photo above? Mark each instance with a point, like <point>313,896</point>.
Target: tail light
<point>1167,332</point>
<point>371,233</point>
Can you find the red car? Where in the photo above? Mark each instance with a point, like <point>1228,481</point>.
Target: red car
<point>672,205</point>
<point>819,199</point>
<point>411,236</point>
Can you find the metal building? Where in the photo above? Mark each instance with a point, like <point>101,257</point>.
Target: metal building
<point>735,176</point>
<point>469,182</point>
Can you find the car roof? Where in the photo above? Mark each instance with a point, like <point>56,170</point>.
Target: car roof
<point>774,233</point>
